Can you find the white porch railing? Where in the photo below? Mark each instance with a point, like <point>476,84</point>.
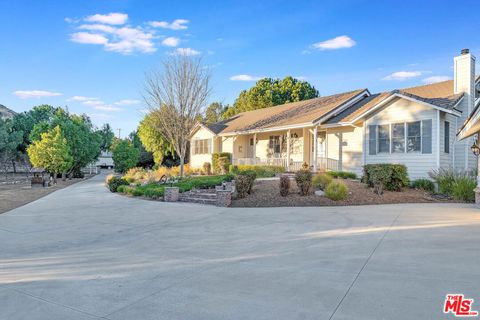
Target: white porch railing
<point>323,164</point>
<point>327,164</point>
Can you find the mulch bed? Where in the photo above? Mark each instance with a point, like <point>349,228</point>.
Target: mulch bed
<point>266,194</point>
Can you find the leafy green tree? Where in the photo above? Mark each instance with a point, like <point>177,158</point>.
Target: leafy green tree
<point>24,122</point>
<point>125,156</point>
<point>270,92</point>
<point>152,139</point>
<point>145,158</point>
<point>213,113</point>
<point>51,152</point>
<point>10,140</point>
<point>106,135</point>
<point>83,141</point>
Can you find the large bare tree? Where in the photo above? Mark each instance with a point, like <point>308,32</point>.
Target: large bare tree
<point>176,96</point>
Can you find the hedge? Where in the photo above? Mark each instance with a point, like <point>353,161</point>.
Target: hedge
<point>216,162</point>
<point>392,177</point>
<point>261,171</point>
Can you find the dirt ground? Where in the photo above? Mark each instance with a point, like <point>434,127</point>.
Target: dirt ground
<point>266,194</point>
<point>19,194</point>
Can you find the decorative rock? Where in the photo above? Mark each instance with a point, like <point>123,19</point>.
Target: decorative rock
<point>224,198</point>
<point>171,194</point>
<point>319,193</point>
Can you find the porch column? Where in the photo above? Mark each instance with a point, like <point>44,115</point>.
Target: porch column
<point>254,148</point>
<point>315,155</point>
<point>288,150</point>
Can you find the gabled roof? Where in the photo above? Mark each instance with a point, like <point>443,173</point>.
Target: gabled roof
<point>290,114</point>
<point>438,94</point>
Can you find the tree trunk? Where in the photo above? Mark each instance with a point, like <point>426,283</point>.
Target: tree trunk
<point>182,160</point>
<point>64,176</point>
<point>14,167</point>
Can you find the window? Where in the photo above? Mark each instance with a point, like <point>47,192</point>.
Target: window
<point>402,137</point>
<point>202,146</point>
<point>274,144</point>
<point>398,138</point>
<point>414,136</point>
<point>446,137</point>
<point>251,141</point>
<point>384,138</point>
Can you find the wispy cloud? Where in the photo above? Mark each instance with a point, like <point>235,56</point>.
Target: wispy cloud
<point>403,75</point>
<point>127,102</point>
<point>340,42</point>
<point>26,94</point>
<point>171,41</point>
<point>111,32</point>
<point>435,79</point>
<point>81,98</point>
<point>110,18</point>
<point>178,24</point>
<point>186,52</point>
<point>245,77</point>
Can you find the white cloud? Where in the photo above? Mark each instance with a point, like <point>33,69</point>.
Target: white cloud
<point>128,40</point>
<point>186,52</point>
<point>245,77</point>
<point>435,79</point>
<point>403,75</point>
<point>107,108</point>
<point>178,24</point>
<point>335,43</point>
<point>81,98</point>
<point>127,102</point>
<point>100,105</point>
<point>111,18</point>
<point>26,94</point>
<point>88,38</point>
<point>171,42</point>
<point>97,27</point>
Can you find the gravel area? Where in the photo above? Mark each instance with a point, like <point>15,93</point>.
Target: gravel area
<point>266,194</point>
<point>15,195</point>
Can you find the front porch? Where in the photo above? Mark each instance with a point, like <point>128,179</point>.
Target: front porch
<point>287,148</point>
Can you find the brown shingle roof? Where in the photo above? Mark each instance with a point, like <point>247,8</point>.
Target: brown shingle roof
<point>306,111</point>
<point>439,94</point>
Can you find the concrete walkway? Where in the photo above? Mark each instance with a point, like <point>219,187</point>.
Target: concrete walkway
<point>85,253</point>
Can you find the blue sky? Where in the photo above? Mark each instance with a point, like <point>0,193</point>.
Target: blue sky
<point>92,55</point>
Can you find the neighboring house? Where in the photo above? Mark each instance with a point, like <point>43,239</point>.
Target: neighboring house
<point>6,113</point>
<point>414,126</point>
<point>105,160</point>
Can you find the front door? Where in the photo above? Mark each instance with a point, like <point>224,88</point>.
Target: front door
<point>250,148</point>
<point>321,145</point>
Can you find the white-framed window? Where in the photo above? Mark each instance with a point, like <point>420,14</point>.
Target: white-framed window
<point>202,146</point>
<point>404,137</point>
<point>446,137</point>
<point>274,144</point>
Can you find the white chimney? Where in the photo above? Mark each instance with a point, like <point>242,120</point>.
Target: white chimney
<point>464,78</point>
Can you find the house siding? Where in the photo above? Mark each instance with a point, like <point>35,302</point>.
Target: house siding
<point>402,110</point>
<point>345,144</point>
<point>446,159</point>
<point>197,160</point>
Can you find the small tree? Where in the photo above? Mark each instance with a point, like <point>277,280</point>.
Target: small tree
<point>51,152</point>
<point>10,140</point>
<point>213,113</point>
<point>176,97</point>
<point>125,156</point>
<point>152,139</point>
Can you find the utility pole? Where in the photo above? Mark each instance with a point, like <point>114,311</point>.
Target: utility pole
<point>119,130</point>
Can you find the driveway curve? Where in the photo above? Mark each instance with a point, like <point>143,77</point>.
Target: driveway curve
<point>85,253</point>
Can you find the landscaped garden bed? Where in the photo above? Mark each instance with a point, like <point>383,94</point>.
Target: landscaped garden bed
<point>266,194</point>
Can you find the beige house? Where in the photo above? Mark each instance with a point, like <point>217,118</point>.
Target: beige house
<point>413,126</point>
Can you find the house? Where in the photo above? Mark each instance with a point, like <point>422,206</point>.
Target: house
<point>6,113</point>
<point>414,126</point>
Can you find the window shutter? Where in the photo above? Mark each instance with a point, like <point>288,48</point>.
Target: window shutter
<point>427,136</point>
<point>372,140</point>
<point>446,141</point>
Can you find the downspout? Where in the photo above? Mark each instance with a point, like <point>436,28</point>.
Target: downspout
<point>438,139</point>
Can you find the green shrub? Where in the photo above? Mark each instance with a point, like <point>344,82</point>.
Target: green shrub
<point>336,191</point>
<point>343,174</point>
<point>219,167</point>
<point>135,174</point>
<point>137,192</point>
<point>242,185</point>
<point>445,178</point>
<point>284,186</point>
<point>115,182</point>
<point>121,189</point>
<point>423,184</point>
<point>129,190</point>
<point>462,189</point>
<point>393,177</point>
<point>303,178</point>
<point>261,171</point>
<point>154,193</point>
<point>321,180</point>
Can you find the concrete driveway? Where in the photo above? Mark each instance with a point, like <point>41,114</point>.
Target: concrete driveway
<point>85,253</point>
